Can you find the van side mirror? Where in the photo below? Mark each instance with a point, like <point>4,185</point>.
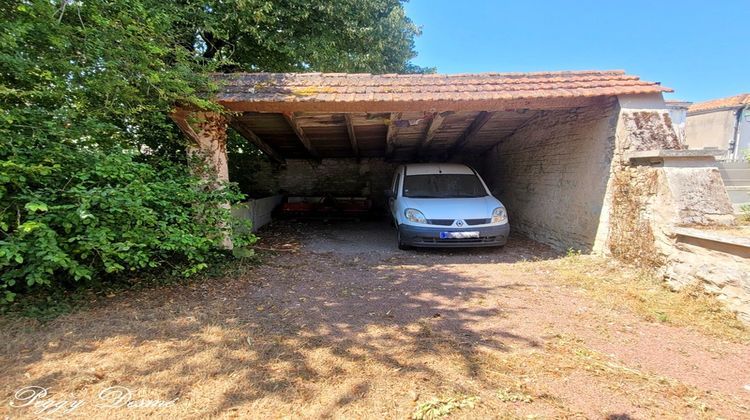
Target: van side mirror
<point>389,194</point>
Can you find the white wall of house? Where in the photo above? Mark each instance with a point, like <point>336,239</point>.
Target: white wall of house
<point>743,136</point>
<point>714,129</point>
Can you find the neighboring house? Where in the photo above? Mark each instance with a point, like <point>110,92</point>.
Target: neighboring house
<point>678,113</point>
<point>720,124</point>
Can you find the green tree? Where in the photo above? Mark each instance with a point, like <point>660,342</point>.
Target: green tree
<point>303,35</point>
<point>93,177</point>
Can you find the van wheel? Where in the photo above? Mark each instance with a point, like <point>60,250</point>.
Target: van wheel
<point>401,245</point>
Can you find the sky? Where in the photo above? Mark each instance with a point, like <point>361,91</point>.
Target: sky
<point>701,49</point>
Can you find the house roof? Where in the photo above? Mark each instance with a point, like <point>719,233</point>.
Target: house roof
<point>721,103</point>
<point>360,88</point>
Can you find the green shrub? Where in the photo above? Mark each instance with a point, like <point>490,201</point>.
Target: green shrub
<point>73,216</point>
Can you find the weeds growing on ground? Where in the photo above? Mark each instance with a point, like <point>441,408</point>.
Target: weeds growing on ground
<point>436,407</point>
<point>641,291</point>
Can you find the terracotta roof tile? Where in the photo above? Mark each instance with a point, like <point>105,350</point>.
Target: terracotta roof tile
<point>721,103</point>
<point>326,87</point>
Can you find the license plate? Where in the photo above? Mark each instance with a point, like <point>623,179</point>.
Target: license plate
<point>458,235</point>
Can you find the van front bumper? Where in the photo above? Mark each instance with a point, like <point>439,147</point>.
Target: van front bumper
<point>429,236</point>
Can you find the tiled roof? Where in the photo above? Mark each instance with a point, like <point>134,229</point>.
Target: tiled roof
<point>715,104</point>
<point>343,87</point>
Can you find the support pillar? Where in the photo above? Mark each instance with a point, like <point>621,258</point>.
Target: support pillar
<point>667,209</point>
<point>207,150</point>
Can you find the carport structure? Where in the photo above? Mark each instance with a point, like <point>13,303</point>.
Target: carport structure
<point>546,143</point>
<point>404,117</point>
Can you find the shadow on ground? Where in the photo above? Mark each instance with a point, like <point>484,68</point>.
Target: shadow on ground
<point>288,329</point>
<point>336,322</point>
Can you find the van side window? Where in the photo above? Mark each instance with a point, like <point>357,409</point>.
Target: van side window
<point>396,184</point>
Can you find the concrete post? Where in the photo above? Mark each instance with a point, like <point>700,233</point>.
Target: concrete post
<point>207,150</point>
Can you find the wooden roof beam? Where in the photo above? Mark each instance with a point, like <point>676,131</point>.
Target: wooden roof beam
<point>253,138</point>
<point>352,135</point>
<point>435,124</point>
<point>470,133</point>
<point>297,128</point>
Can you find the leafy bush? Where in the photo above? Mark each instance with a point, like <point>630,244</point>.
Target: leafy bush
<point>75,215</point>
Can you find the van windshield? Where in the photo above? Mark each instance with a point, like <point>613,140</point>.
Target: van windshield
<point>443,186</point>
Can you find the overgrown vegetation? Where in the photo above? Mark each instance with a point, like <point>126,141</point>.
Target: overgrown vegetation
<point>630,231</point>
<point>640,291</point>
<point>745,215</point>
<point>436,408</point>
<point>93,174</point>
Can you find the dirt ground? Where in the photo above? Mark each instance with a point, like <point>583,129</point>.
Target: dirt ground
<point>338,323</point>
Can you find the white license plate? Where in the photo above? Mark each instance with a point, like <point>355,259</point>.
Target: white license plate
<point>458,235</point>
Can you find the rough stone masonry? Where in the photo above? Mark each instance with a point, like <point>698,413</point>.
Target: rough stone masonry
<point>657,192</point>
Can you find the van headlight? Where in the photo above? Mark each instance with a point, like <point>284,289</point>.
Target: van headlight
<point>499,215</point>
<point>414,215</point>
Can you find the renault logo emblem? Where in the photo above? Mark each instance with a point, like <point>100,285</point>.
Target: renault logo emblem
<point>460,223</point>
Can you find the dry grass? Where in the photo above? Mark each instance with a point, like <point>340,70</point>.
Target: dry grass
<point>411,340</point>
<point>617,285</point>
<point>439,407</point>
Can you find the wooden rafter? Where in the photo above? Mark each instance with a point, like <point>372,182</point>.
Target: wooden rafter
<point>180,117</point>
<point>263,146</point>
<point>435,124</point>
<point>294,124</point>
<point>352,135</point>
<point>390,138</point>
<point>470,133</point>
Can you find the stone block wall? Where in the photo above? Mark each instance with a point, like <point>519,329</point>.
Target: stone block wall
<point>552,174</point>
<point>335,177</point>
<point>628,223</point>
<point>651,200</point>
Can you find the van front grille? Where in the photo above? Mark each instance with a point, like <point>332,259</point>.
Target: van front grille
<point>440,222</point>
<point>481,239</point>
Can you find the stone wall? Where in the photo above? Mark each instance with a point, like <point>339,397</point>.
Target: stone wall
<point>335,177</point>
<point>552,174</point>
<point>628,221</point>
<point>717,260</point>
<point>656,191</point>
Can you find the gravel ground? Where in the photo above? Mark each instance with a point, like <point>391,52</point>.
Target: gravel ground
<point>338,323</point>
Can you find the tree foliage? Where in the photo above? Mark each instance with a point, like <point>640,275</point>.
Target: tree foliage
<point>298,35</point>
<point>93,178</point>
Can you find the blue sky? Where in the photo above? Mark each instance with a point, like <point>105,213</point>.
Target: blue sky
<point>699,48</point>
